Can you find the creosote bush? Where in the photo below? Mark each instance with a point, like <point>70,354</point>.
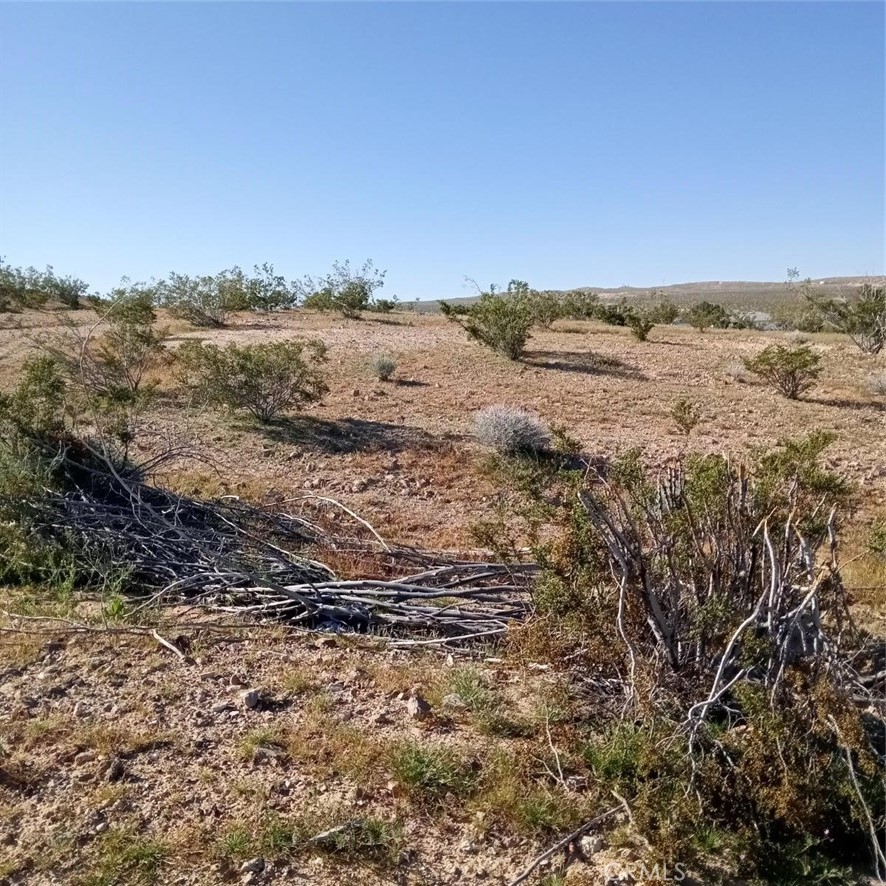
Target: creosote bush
<point>790,370</point>
<point>640,323</point>
<point>685,415</point>
<point>205,301</point>
<point>705,315</point>
<point>343,290</point>
<point>501,321</point>
<point>706,604</point>
<point>22,288</point>
<point>262,379</point>
<point>511,431</point>
<point>861,317</point>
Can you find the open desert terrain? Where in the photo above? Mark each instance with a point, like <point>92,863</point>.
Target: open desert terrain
<point>223,759</point>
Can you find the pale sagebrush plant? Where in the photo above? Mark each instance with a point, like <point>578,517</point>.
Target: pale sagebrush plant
<point>877,383</point>
<point>511,431</point>
<point>383,366</point>
<point>737,372</point>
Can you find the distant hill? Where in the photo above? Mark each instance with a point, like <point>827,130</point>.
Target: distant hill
<point>734,294</point>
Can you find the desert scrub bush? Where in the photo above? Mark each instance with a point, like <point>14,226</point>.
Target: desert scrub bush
<point>511,431</point>
<point>203,301</point>
<point>501,321</point>
<point>262,379</point>
<point>877,383</point>
<point>706,315</point>
<point>383,366</point>
<point>640,323</point>
<point>22,288</point>
<point>688,588</point>
<point>579,304</point>
<point>876,540</point>
<point>861,317</point>
<point>664,312</point>
<point>790,370</point>
<point>545,306</point>
<point>343,290</point>
<point>685,415</point>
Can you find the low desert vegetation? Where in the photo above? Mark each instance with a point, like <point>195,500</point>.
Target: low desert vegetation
<point>343,290</point>
<point>262,379</point>
<point>686,415</point>
<point>383,366</point>
<point>510,431</point>
<point>790,370</point>
<point>502,321</point>
<point>674,642</point>
<point>861,317</point>
<point>24,288</point>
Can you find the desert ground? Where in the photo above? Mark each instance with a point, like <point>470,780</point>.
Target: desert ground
<point>129,763</point>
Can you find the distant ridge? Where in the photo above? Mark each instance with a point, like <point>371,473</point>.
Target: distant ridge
<point>737,294</point>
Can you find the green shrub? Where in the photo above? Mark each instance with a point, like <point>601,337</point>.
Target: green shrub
<point>705,315</point>
<point>729,729</point>
<point>876,542</point>
<point>106,368</point>
<point>36,408</point>
<point>501,321</point>
<point>640,323</point>
<point>385,305</point>
<point>263,379</point>
<point>579,304</point>
<point>205,301</point>
<point>343,290</point>
<point>22,288</point>
<point>545,306</point>
<point>664,312</point>
<point>790,370</point>
<point>266,290</point>
<point>862,317</point>
<point>799,318</point>
<point>685,415</point>
<point>614,314</point>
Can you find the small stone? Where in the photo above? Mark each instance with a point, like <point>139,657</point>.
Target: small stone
<point>80,709</point>
<point>591,844</point>
<point>454,702</point>
<point>101,827</point>
<point>84,757</point>
<point>381,719</point>
<point>253,866</point>
<point>221,706</point>
<point>417,707</point>
<point>116,770</point>
<point>252,699</point>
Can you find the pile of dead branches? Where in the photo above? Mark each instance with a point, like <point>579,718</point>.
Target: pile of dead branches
<point>228,555</point>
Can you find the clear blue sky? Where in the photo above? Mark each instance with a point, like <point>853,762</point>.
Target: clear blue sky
<point>562,143</point>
